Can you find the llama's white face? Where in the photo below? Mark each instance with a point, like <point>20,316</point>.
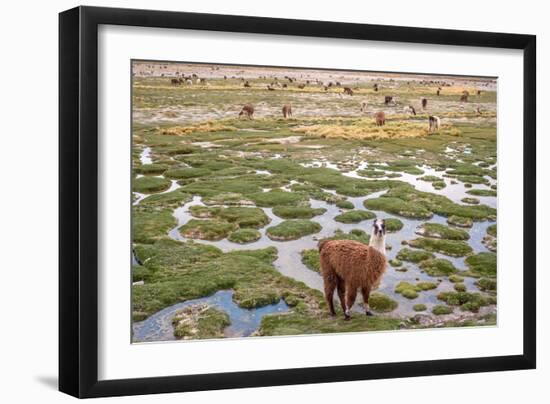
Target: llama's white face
<point>379,227</point>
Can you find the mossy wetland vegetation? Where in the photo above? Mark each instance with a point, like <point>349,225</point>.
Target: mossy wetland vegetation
<point>228,210</point>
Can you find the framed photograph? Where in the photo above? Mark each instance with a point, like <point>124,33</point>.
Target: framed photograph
<point>252,202</point>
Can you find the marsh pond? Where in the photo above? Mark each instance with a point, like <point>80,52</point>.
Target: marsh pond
<point>228,210</point>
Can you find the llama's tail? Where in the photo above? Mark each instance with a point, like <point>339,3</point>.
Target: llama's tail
<point>322,243</point>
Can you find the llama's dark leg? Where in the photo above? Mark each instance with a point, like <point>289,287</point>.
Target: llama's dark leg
<point>366,294</point>
<point>341,288</point>
<point>330,285</point>
<point>351,293</point>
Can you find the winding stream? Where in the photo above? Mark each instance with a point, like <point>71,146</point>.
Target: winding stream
<point>244,322</point>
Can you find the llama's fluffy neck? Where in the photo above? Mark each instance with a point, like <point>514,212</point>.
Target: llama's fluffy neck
<point>378,242</point>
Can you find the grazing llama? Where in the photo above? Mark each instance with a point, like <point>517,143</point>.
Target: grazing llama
<point>380,118</point>
<point>409,110</point>
<point>434,123</point>
<point>348,91</point>
<point>364,106</point>
<point>287,111</point>
<point>348,265</point>
<point>248,111</point>
<point>424,103</point>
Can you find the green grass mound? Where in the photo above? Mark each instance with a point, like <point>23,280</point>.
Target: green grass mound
<point>426,285</point>
<point>486,284</point>
<point>399,207</point>
<point>171,199</point>
<point>249,299</point>
<point>453,248</point>
<point>310,258</point>
<point>150,169</point>
<point>460,287</point>
<point>315,192</point>
<point>149,185</point>
<point>409,167</point>
<point>345,204</point>
<point>185,173</point>
<point>149,225</point>
<point>472,179</point>
<point>482,264</point>
<point>492,230</point>
<point>441,309</point>
<point>456,278</point>
<point>466,300</point>
<point>371,173</point>
<point>207,229</point>
<point>297,212</point>
<point>471,201</point>
<point>243,236</point>
<point>467,169</point>
<point>393,225</point>
<point>395,262</point>
<point>278,198</point>
<point>407,290</point>
<point>436,230</point>
<point>297,324</point>
<point>211,187</point>
<point>199,322</point>
<point>481,192</point>
<point>420,307</point>
<point>242,216</point>
<point>437,267</point>
<point>227,198</point>
<point>429,178</point>
<point>382,303</point>
<point>416,256</point>
<point>436,182</point>
<point>354,216</point>
<point>438,204</point>
<point>460,221</point>
<point>293,229</point>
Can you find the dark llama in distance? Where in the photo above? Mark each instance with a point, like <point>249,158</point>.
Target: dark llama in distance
<point>348,91</point>
<point>348,265</point>
<point>424,103</point>
<point>287,111</point>
<point>247,110</point>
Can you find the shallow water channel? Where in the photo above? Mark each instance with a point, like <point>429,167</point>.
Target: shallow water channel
<point>244,322</point>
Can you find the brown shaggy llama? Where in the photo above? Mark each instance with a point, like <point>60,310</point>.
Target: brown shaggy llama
<point>287,111</point>
<point>247,110</point>
<point>348,265</point>
<point>348,91</point>
<point>380,118</point>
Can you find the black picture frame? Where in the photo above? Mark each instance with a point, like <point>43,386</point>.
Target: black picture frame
<point>78,201</point>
